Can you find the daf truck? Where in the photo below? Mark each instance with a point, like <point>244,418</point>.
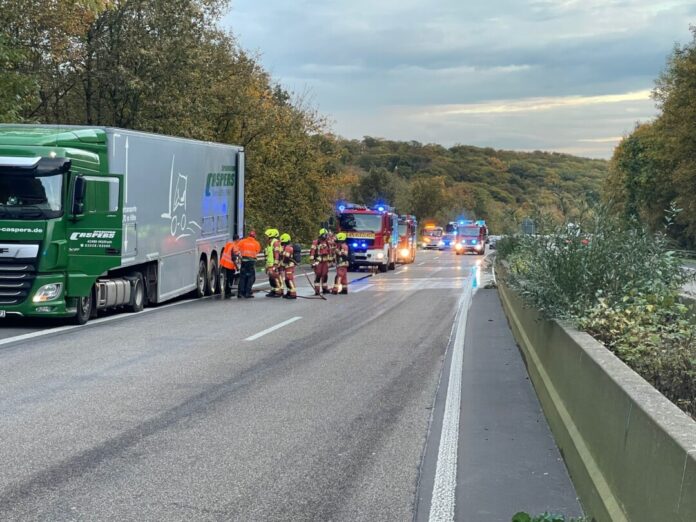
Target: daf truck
<point>93,218</point>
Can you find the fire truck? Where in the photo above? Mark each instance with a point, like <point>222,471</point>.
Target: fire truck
<point>472,236</point>
<point>373,235</point>
<point>431,236</point>
<point>408,226</point>
<point>449,238</point>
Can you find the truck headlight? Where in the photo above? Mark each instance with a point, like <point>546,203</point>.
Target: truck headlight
<point>405,252</point>
<point>380,255</point>
<point>440,243</point>
<point>48,292</point>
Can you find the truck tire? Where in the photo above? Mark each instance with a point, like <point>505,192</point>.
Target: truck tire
<point>383,267</point>
<point>212,286</point>
<point>84,307</point>
<point>137,293</point>
<point>202,278</point>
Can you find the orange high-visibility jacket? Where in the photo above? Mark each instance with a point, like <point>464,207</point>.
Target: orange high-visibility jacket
<point>248,248</point>
<point>226,261</point>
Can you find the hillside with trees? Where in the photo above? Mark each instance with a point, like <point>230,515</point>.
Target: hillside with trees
<point>166,66</point>
<point>503,187</point>
<point>653,169</point>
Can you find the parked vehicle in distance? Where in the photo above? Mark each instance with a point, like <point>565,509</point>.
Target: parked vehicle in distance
<point>408,241</point>
<point>472,237</point>
<point>431,236</point>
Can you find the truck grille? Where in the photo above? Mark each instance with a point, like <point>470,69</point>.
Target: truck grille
<point>16,278</point>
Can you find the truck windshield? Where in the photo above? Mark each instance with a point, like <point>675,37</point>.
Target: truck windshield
<point>403,229</point>
<point>469,231</point>
<point>360,222</point>
<point>24,196</point>
<point>432,232</point>
<point>451,229</point>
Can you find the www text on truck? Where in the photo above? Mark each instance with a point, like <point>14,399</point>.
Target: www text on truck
<point>95,218</point>
<point>373,235</point>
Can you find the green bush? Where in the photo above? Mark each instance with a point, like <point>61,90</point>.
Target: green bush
<point>620,283</point>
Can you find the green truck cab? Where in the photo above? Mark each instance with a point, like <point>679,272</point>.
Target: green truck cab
<point>95,218</point>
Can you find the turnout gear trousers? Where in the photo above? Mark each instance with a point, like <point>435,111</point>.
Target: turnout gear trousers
<point>341,280</point>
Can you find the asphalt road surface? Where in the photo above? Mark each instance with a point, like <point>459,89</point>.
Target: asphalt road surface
<point>251,410</point>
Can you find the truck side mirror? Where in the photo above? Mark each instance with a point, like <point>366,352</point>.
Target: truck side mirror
<point>79,191</point>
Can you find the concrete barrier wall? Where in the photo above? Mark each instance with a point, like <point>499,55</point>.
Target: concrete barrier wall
<point>630,452</point>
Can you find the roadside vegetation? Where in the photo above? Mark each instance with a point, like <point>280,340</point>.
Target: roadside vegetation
<point>545,517</point>
<point>621,283</point>
<point>655,165</point>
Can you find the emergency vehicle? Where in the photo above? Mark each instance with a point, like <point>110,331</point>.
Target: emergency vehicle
<point>408,226</point>
<point>372,235</point>
<point>449,238</point>
<point>472,236</point>
<point>431,236</point>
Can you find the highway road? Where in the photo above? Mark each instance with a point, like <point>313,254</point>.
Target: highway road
<point>268,409</point>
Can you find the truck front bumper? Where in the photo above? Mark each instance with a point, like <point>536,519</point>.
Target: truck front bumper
<point>55,307</point>
<point>369,258</point>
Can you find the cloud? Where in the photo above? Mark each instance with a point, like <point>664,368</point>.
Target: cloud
<point>451,59</point>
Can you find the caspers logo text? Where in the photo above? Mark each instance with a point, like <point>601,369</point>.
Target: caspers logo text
<point>97,234</point>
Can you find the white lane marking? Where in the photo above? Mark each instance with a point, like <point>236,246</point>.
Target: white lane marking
<point>361,289</point>
<point>51,331</point>
<point>442,504</point>
<point>421,263</point>
<point>273,328</point>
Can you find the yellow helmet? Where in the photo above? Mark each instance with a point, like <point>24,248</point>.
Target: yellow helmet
<point>285,238</point>
<point>271,232</point>
<point>341,236</point>
<point>323,231</point>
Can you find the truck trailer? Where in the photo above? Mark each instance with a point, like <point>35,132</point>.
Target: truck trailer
<point>96,217</point>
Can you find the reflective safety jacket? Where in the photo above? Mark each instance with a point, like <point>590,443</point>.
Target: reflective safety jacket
<point>228,255</point>
<point>342,254</point>
<point>248,248</point>
<point>287,259</point>
<point>320,251</point>
<point>273,251</point>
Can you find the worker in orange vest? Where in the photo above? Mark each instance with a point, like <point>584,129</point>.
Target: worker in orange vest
<point>248,249</point>
<point>228,263</point>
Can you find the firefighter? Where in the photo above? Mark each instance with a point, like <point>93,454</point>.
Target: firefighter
<point>320,255</point>
<point>229,264</point>
<point>287,263</point>
<point>248,249</point>
<point>342,258</point>
<point>272,252</point>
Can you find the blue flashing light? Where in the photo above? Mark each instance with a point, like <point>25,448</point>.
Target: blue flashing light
<point>461,222</point>
<point>341,208</point>
<point>380,208</point>
<point>363,244</point>
<point>355,245</point>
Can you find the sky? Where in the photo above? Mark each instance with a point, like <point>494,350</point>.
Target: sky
<point>569,76</point>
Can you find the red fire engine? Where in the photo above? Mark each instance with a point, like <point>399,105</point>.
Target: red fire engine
<point>372,235</point>
<point>408,227</point>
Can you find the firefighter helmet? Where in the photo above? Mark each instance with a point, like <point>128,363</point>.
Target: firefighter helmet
<point>341,236</point>
<point>285,238</point>
<point>323,232</point>
<point>271,232</point>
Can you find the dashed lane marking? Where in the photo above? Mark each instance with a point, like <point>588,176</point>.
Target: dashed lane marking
<point>273,328</point>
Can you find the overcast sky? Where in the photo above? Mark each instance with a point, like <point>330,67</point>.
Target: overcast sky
<point>563,75</point>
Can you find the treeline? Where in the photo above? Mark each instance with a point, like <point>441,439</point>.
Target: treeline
<point>653,170</point>
<point>165,66</point>
<point>503,187</point>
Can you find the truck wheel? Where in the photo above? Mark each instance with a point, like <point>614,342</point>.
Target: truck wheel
<point>213,278</point>
<point>201,278</point>
<point>382,268</point>
<point>138,290</point>
<point>84,309</point>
